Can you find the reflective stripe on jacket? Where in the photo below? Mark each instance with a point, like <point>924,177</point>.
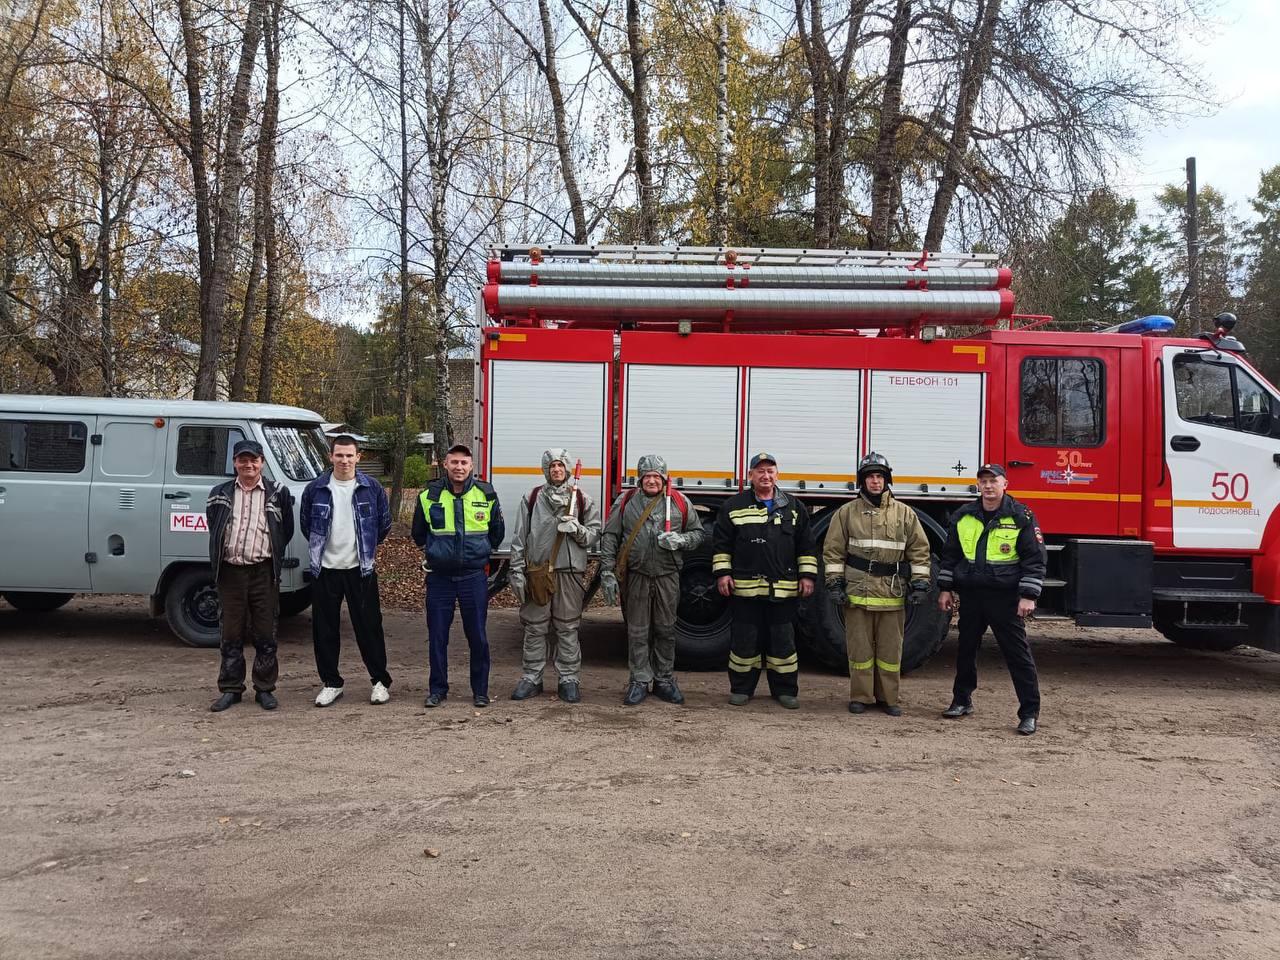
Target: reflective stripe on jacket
<point>890,533</point>
<point>1006,553</point>
<point>765,551</point>
<point>458,532</point>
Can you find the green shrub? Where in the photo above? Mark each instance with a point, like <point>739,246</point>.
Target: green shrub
<point>416,472</point>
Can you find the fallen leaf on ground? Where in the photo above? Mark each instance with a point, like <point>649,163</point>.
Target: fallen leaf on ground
<point>224,819</point>
<point>797,945</point>
<point>431,852</point>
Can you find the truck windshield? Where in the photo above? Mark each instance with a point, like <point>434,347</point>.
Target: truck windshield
<point>300,449</point>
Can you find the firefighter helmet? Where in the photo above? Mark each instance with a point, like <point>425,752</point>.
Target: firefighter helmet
<point>874,463</point>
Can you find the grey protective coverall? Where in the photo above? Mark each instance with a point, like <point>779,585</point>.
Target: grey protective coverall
<point>531,542</point>
<point>652,578</point>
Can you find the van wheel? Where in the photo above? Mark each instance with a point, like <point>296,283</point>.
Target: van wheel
<point>37,602</point>
<point>191,607</point>
<point>294,602</point>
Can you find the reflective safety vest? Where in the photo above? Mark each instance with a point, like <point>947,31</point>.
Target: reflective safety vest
<point>1002,539</point>
<point>453,547</point>
<point>1006,552</point>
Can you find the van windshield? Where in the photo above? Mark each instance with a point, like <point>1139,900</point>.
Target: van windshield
<point>300,449</point>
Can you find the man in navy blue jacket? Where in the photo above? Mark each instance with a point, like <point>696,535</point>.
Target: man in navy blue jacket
<point>458,524</point>
<point>344,517</point>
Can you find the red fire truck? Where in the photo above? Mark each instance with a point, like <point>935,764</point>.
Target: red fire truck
<point>1152,463</point>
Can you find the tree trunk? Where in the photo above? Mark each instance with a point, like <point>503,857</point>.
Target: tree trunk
<point>194,77</point>
<point>226,226</point>
<point>263,207</point>
<point>813,43</point>
<point>720,219</point>
<point>648,225</point>
<point>106,349</point>
<point>974,73</point>
<point>884,166</point>
<point>271,324</point>
<point>402,321</point>
<point>568,169</point>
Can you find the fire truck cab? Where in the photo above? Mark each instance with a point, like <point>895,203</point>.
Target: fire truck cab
<point>1152,463</point>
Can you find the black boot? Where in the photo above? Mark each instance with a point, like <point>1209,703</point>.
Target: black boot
<point>266,699</point>
<point>569,691</point>
<point>636,693</point>
<point>526,689</point>
<point>667,690</point>
<point>226,700</point>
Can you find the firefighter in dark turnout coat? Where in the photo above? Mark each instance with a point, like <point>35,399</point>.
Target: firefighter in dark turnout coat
<point>764,557</point>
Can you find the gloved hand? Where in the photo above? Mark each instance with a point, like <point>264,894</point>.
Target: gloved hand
<point>670,540</point>
<point>919,592</point>
<point>609,587</point>
<point>572,527</point>
<point>515,580</point>
<point>839,596</point>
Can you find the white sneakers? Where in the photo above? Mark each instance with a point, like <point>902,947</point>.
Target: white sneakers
<point>328,695</point>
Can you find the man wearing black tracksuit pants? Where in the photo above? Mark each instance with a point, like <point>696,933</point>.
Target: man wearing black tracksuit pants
<point>995,557</point>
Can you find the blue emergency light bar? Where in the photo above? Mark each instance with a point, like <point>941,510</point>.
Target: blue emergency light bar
<point>1156,323</point>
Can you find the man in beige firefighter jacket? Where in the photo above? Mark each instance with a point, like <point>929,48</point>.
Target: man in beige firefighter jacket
<point>876,557</point>
<point>641,554</point>
<point>556,527</point>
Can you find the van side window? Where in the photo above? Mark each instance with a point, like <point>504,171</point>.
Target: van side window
<point>1063,402</point>
<point>1220,395</point>
<point>43,446</point>
<point>206,451</point>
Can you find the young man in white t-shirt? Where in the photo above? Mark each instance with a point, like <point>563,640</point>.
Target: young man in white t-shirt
<point>344,516</point>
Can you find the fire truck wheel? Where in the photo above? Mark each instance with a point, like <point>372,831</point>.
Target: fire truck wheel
<point>702,618</point>
<point>1166,616</point>
<point>294,602</point>
<point>37,602</point>
<point>821,629</point>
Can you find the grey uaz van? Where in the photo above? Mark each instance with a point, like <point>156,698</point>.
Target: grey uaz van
<point>101,495</point>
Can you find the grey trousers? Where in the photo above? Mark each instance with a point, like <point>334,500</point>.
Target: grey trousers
<point>649,606</point>
<point>555,624</point>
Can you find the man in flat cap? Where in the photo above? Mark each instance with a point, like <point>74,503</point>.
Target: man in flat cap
<point>250,525</point>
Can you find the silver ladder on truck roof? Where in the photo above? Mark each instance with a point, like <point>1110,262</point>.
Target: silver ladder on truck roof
<point>641,253</point>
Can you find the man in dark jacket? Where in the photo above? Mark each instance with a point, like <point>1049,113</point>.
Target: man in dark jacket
<point>250,525</point>
<point>994,556</point>
<point>764,557</point>
<point>344,517</point>
<point>458,523</point>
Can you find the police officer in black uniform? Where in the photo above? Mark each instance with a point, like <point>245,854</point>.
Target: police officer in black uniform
<point>994,556</point>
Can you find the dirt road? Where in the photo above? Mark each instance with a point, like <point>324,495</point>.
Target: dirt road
<point>1141,822</point>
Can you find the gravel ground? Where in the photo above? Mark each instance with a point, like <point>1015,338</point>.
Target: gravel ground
<point>1141,822</point>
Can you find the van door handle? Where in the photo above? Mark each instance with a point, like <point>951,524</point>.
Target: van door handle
<point>1184,443</point>
<point>1021,463</point>
<point>179,495</point>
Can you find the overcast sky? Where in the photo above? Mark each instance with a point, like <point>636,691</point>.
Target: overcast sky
<point>1234,145</point>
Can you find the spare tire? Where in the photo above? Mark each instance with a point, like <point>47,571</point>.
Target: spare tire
<point>820,626</point>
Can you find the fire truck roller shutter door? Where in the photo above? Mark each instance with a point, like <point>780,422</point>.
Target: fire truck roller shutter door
<point>820,633</point>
